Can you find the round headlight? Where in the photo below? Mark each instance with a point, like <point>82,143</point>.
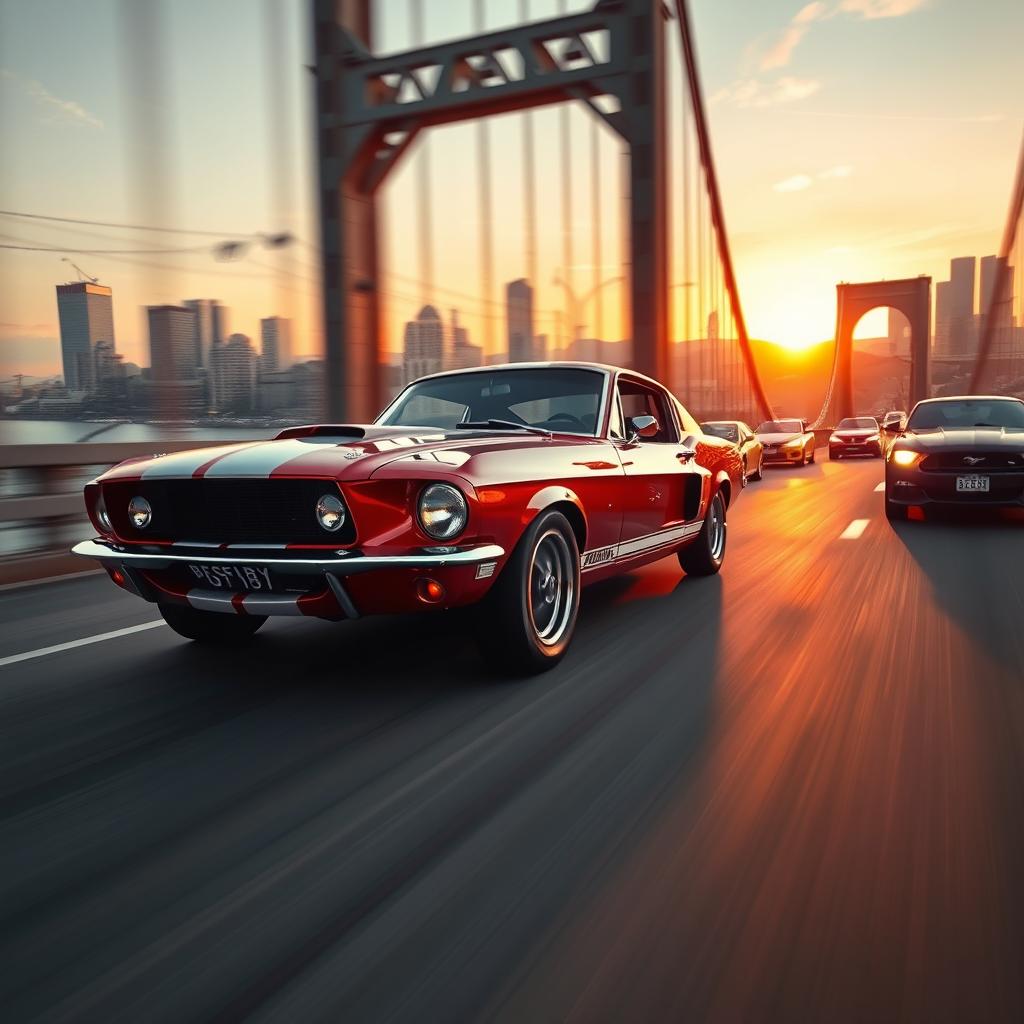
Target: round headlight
<point>139,512</point>
<point>103,516</point>
<point>443,511</point>
<point>330,512</point>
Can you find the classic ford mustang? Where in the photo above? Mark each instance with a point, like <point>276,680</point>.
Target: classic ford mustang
<point>504,486</point>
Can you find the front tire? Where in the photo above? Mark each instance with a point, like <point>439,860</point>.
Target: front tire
<point>759,475</point>
<point>705,555</point>
<point>833,455</point>
<point>210,627</point>
<point>533,606</point>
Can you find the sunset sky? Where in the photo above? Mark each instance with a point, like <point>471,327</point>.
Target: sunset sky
<point>855,139</point>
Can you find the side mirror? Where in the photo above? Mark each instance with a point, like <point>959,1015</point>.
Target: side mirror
<point>643,426</point>
<point>891,428</point>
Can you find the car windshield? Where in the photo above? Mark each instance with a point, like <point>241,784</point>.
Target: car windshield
<point>968,412</point>
<point>858,423</point>
<point>780,427</point>
<point>729,431</point>
<point>563,400</point>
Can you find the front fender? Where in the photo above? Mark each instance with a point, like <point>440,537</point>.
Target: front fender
<point>555,494</point>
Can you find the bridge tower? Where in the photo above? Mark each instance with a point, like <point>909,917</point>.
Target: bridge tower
<point>912,297</point>
<point>370,109</point>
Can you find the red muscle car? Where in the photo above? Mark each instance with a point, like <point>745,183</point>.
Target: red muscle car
<point>509,486</point>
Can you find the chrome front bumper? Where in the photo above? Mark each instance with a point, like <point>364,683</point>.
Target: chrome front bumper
<point>336,565</point>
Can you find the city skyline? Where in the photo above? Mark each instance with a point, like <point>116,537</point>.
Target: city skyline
<point>827,205</point>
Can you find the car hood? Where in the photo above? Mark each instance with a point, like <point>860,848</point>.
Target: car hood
<point>356,455</point>
<point>966,438</point>
<point>778,438</point>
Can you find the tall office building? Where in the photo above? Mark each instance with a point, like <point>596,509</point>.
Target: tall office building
<point>86,313</point>
<point>463,354</point>
<point>962,340</point>
<point>172,349</point>
<point>942,315</point>
<point>424,344</point>
<point>899,333</point>
<point>233,375</point>
<point>276,343</point>
<point>208,327</point>
<point>519,317</point>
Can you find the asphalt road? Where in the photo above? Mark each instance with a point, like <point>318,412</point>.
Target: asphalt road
<point>792,792</point>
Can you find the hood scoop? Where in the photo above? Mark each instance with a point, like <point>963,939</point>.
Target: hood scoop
<point>322,430</point>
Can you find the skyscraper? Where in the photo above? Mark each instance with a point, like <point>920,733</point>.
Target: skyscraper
<point>86,313</point>
<point>942,314</point>
<point>233,375</point>
<point>463,354</point>
<point>519,317</point>
<point>899,333</point>
<point>207,329</point>
<point>961,306</point>
<point>276,343</point>
<point>424,344</point>
<point>172,349</point>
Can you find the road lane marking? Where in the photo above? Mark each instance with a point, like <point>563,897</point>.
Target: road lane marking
<point>880,488</point>
<point>84,642</point>
<point>855,529</point>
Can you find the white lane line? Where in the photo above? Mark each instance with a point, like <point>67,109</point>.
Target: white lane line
<point>84,642</point>
<point>855,529</point>
<point>880,488</point>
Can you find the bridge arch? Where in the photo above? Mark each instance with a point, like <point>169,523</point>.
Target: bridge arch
<point>912,297</point>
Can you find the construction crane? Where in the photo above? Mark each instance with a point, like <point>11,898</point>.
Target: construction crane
<point>82,275</point>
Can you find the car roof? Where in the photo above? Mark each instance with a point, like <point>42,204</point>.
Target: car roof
<point>970,398</point>
<point>605,368</point>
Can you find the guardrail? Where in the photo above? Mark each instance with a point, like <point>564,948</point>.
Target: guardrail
<point>41,508</point>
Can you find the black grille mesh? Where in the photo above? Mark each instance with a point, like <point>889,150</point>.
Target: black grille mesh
<point>227,511</point>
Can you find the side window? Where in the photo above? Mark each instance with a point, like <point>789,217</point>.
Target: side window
<point>639,400</point>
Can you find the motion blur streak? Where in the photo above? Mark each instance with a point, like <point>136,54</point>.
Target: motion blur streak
<point>788,792</point>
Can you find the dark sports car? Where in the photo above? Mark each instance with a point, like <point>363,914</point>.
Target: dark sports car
<point>957,452</point>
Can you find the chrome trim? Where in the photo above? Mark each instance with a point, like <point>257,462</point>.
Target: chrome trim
<point>335,566</point>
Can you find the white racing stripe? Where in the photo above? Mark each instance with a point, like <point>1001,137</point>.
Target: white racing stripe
<point>855,529</point>
<point>880,488</point>
<point>638,545</point>
<point>13,659</point>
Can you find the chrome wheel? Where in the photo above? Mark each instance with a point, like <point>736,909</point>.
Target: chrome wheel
<point>716,528</point>
<point>552,583</point>
<point>743,475</point>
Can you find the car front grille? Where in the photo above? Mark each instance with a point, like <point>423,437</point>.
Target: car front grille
<point>210,511</point>
<point>991,462</point>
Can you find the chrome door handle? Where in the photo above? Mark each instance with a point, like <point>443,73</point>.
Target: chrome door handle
<point>686,454</point>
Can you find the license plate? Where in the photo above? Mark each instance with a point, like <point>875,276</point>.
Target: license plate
<point>972,483</point>
<point>233,577</point>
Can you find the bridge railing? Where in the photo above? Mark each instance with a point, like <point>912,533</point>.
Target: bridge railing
<point>41,509</point>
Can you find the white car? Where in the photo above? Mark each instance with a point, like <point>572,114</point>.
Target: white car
<point>786,441</point>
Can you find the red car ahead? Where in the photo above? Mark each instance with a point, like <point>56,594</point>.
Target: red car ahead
<point>511,486</point>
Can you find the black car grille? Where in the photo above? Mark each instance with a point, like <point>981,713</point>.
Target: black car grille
<point>227,511</point>
<point>991,462</point>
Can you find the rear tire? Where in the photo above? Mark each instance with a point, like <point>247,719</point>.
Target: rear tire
<point>531,611</point>
<point>704,556</point>
<point>210,627</point>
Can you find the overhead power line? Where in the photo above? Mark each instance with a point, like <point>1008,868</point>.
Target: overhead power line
<point>131,227</point>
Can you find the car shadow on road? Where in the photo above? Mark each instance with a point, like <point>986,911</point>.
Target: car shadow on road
<point>972,558</point>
